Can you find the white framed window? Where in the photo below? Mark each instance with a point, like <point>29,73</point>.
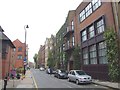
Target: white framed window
<point>84,35</point>
<point>102,53</point>
<point>96,4</point>
<point>93,55</point>
<point>72,27</point>
<point>88,9</point>
<point>91,32</point>
<point>85,56</point>
<point>82,15</point>
<point>100,26</point>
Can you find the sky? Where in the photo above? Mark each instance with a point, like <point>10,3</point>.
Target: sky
<point>44,17</point>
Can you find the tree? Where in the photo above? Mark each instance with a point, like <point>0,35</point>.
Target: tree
<point>76,56</point>
<point>112,54</point>
<point>35,60</point>
<point>51,62</point>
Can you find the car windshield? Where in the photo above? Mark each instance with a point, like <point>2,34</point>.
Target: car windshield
<point>80,72</point>
<point>62,71</point>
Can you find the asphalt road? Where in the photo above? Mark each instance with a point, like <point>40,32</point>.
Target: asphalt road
<point>44,80</point>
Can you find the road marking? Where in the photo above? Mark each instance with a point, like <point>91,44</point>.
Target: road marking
<point>34,82</point>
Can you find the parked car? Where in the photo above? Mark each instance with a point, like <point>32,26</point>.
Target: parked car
<point>42,69</point>
<point>79,76</point>
<point>60,73</point>
<point>49,71</point>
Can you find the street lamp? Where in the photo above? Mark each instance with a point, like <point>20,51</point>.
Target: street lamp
<point>25,58</point>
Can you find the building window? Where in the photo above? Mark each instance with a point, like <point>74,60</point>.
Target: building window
<point>88,10</point>
<point>82,15</point>
<point>68,44</point>
<point>73,40</point>
<point>72,26</point>
<point>100,26</point>
<point>19,49</point>
<point>85,56</point>
<point>102,53</point>
<point>84,35</point>
<point>92,51</point>
<point>20,57</point>
<point>91,32</point>
<point>96,4</point>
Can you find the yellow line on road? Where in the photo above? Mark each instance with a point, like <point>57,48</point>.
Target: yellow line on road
<point>34,82</point>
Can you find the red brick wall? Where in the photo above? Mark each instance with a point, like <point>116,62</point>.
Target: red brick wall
<point>19,63</point>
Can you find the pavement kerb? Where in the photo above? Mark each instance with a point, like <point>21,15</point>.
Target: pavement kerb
<point>35,84</point>
<point>105,86</point>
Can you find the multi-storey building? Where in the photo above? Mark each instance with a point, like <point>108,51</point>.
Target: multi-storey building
<point>41,56</point>
<point>60,55</point>
<point>19,53</point>
<point>49,46</point>
<point>69,38</point>
<point>92,19</point>
<point>46,51</point>
<point>6,54</point>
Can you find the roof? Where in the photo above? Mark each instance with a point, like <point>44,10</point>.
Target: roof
<point>4,38</point>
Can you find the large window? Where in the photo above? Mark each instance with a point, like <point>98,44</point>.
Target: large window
<point>92,6</point>
<point>102,53</point>
<point>91,32</point>
<point>84,35</point>
<point>100,26</point>
<point>72,25</point>
<point>20,57</point>
<point>85,56</point>
<point>92,51</point>
<point>73,40</point>
<point>96,4</point>
<point>82,15</point>
<point>19,49</point>
<point>88,10</point>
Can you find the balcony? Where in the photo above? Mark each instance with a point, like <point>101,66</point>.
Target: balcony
<point>69,30</point>
<point>69,46</point>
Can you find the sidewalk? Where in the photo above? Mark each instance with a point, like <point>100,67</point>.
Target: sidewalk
<point>107,84</point>
<point>27,82</point>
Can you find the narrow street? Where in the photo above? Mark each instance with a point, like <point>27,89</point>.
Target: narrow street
<point>44,80</point>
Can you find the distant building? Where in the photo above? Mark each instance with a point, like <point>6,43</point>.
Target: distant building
<point>19,53</point>
<point>49,46</point>
<point>41,56</point>
<point>6,54</point>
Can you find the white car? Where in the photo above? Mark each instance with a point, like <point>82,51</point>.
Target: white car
<point>79,76</point>
<point>42,69</point>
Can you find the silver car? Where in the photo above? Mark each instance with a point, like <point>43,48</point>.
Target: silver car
<point>79,76</point>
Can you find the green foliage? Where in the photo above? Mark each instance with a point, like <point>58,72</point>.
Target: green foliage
<point>112,54</point>
<point>51,62</point>
<point>66,61</point>
<point>35,57</point>
<point>76,56</point>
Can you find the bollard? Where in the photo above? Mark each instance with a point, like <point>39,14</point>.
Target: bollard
<point>5,83</point>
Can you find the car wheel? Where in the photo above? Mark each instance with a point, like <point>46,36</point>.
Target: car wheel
<point>59,76</point>
<point>77,82</point>
<point>68,79</point>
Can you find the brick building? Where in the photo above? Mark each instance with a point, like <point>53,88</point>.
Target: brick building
<point>19,53</point>
<point>92,19</point>
<point>41,56</point>
<point>6,54</point>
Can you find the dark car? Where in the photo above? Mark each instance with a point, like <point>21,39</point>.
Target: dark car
<point>60,74</point>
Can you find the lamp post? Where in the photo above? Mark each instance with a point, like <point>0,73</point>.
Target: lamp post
<point>25,58</point>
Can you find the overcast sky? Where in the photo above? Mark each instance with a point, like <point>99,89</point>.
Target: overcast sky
<point>44,17</point>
